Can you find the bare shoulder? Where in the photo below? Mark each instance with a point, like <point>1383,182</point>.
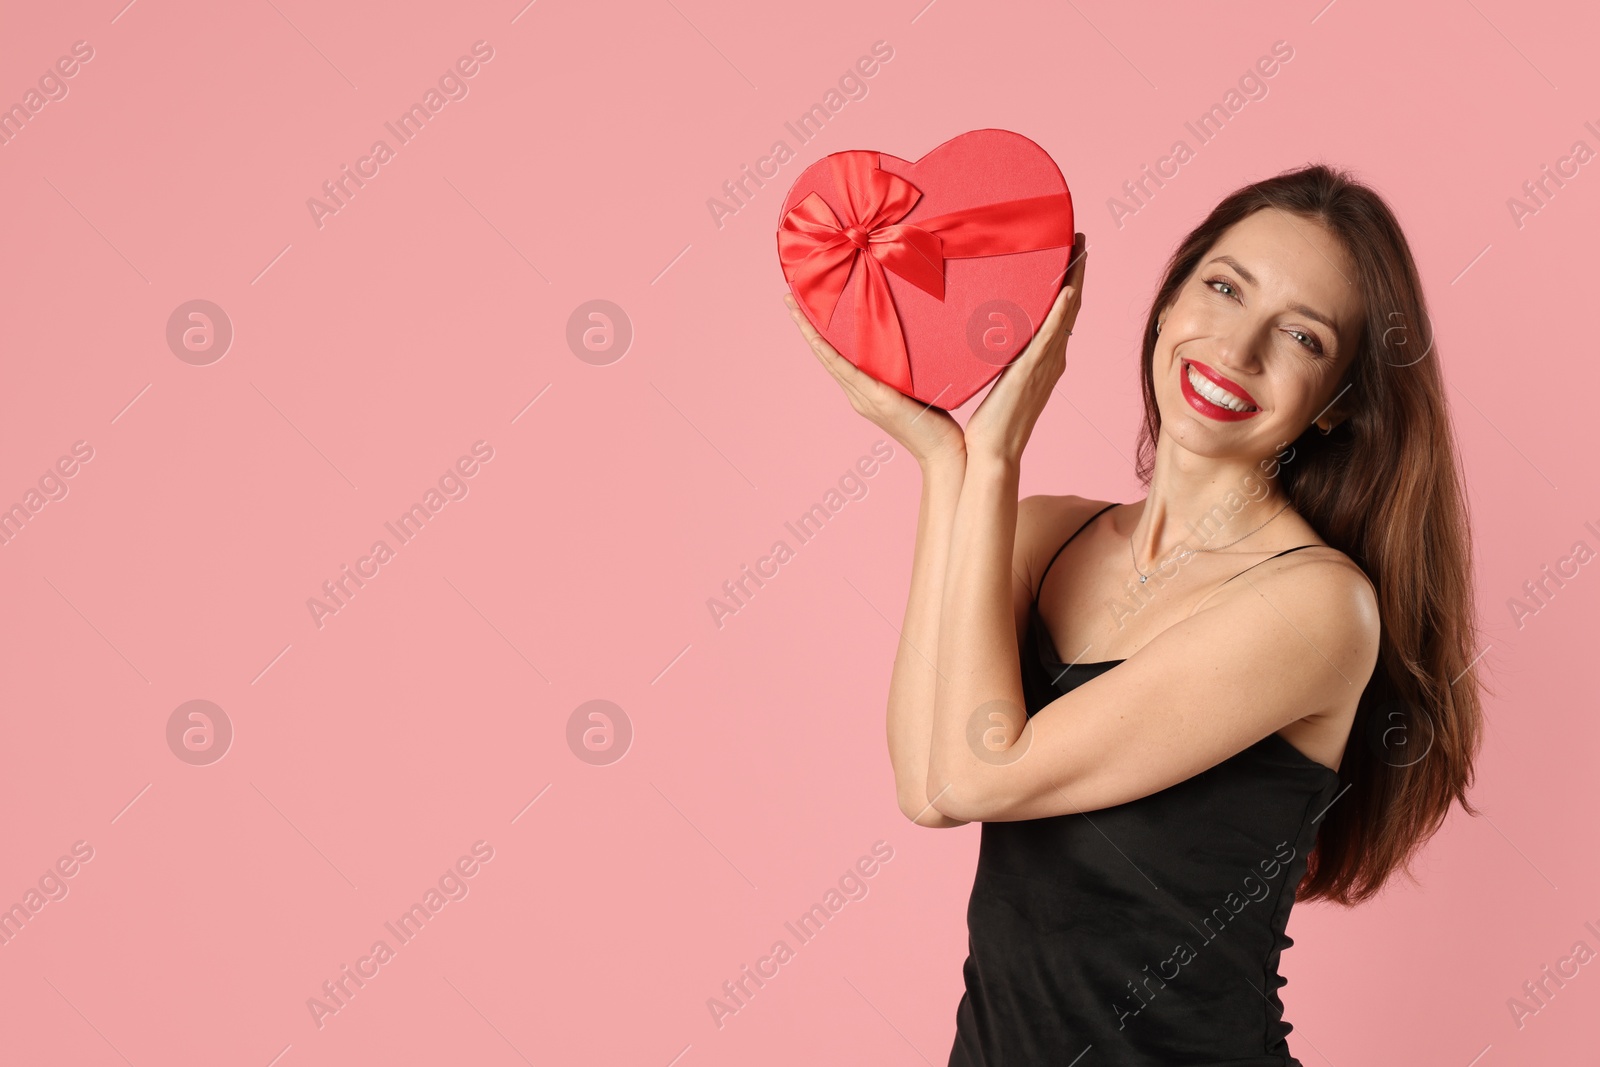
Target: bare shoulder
<point>1325,575</point>
<point>1328,600</point>
<point>1043,523</point>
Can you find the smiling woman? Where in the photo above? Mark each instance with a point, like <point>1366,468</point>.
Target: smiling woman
<point>1213,729</point>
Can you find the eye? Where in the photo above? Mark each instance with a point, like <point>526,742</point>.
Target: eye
<point>1310,341</point>
<point>1307,340</point>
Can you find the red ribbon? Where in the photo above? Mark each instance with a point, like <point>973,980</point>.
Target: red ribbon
<point>819,248</point>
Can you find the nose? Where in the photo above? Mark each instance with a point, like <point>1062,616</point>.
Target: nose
<point>1239,350</point>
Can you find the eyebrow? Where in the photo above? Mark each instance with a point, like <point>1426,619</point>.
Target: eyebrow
<point>1250,279</point>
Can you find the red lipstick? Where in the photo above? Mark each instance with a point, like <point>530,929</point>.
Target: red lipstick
<point>1206,407</point>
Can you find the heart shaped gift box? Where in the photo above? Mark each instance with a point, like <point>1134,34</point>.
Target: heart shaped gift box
<point>930,276</point>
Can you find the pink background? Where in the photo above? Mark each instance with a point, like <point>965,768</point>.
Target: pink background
<point>429,312</point>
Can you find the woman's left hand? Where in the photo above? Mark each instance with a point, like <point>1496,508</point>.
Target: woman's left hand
<point>1001,426</point>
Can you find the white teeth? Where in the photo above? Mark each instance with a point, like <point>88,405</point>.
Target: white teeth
<point>1215,393</point>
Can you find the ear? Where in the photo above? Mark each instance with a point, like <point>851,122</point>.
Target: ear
<point>1331,416</point>
<point>1338,409</point>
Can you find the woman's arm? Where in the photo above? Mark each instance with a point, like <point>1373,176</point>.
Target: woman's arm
<point>981,683</point>
<point>977,636</point>
<point>1301,639</point>
<point>934,438</point>
<point>915,679</point>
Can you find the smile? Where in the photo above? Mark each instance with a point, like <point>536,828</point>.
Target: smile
<point>1215,396</point>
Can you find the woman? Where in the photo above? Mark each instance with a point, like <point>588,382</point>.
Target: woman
<point>1255,683</point>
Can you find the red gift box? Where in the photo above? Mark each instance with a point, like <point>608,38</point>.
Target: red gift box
<point>930,276</point>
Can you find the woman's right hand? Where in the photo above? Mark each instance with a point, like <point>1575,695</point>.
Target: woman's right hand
<point>930,434</point>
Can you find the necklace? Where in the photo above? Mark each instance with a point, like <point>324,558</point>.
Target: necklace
<point>1143,577</point>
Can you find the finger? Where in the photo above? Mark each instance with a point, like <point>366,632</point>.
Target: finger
<point>1073,286</point>
<point>856,382</point>
<point>1055,321</point>
<point>1058,310</point>
<point>818,343</point>
<point>1080,254</point>
<point>1072,277</point>
<point>1051,338</point>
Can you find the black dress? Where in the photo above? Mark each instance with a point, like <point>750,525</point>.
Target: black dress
<point>1147,933</point>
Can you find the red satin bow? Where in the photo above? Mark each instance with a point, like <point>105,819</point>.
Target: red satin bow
<point>818,249</point>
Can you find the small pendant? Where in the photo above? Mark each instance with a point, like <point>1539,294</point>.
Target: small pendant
<point>1143,578</point>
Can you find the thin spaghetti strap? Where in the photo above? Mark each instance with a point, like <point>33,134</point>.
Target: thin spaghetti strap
<point>1274,556</point>
<point>1040,587</point>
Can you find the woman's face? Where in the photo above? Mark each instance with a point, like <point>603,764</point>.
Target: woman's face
<point>1254,343</point>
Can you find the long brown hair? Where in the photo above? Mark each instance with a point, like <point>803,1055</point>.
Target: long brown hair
<point>1383,487</point>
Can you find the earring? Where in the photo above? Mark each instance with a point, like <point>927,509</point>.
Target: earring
<point>1158,326</point>
<point>1325,429</point>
